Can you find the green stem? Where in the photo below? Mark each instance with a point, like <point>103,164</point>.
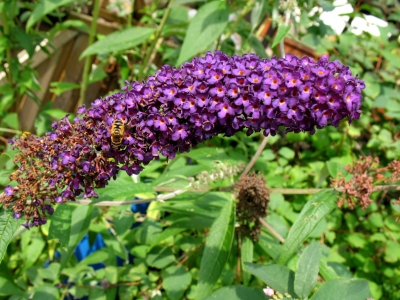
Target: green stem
<point>6,31</point>
<point>88,60</point>
<point>129,21</point>
<point>10,130</point>
<point>146,61</point>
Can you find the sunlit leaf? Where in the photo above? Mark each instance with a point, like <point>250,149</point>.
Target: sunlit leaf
<point>278,277</point>
<point>343,289</point>
<point>281,33</point>
<point>120,40</point>
<point>307,270</point>
<point>320,205</point>
<point>8,226</point>
<point>204,29</point>
<point>216,251</point>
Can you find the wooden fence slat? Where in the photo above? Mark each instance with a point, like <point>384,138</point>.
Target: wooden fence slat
<point>73,73</point>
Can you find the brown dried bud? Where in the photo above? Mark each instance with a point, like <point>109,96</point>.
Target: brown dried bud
<point>253,199</point>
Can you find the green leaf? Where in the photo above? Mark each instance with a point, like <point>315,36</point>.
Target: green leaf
<point>60,226</point>
<point>4,158</point>
<point>33,251</point>
<point>60,87</point>
<point>327,271</point>
<point>307,270</point>
<point>216,251</point>
<point>55,113</point>
<point>206,26</point>
<point>116,245</point>
<point>286,153</point>
<point>281,33</point>
<point>47,292</point>
<point>121,190</point>
<point>111,274</point>
<point>160,257</point>
<point>357,240</point>
<point>100,256</point>
<point>246,253</point>
<point>343,289</point>
<point>119,41</point>
<point>43,8</point>
<point>237,292</point>
<point>80,221</point>
<point>392,57</point>
<point>275,201</point>
<point>257,13</point>
<point>8,226</point>
<point>392,252</point>
<point>7,287</point>
<point>50,272</point>
<point>334,167</point>
<point>278,277</point>
<point>269,245</point>
<point>175,281</point>
<point>320,205</point>
<point>147,232</point>
<point>326,5</point>
<point>171,231</point>
<point>78,24</point>
<point>181,2</point>
<point>11,120</point>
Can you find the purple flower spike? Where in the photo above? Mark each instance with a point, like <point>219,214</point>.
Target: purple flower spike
<point>173,111</point>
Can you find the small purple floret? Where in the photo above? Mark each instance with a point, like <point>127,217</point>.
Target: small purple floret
<point>9,190</point>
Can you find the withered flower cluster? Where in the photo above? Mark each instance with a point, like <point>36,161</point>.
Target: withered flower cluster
<point>253,198</point>
<point>172,112</point>
<point>366,172</point>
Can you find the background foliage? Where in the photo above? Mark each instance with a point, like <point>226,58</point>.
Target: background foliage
<point>187,247</point>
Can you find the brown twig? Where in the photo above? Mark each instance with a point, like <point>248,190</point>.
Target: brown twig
<point>255,157</point>
<point>272,230</point>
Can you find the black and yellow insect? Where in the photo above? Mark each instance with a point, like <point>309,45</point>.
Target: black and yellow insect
<point>25,135</point>
<point>117,133</point>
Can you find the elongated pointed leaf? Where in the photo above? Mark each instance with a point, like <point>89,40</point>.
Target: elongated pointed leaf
<point>80,221</point>
<point>307,270</point>
<point>313,212</point>
<point>216,251</point>
<point>8,226</point>
<point>343,289</point>
<point>43,8</point>
<point>237,292</point>
<point>278,277</point>
<point>246,253</point>
<point>280,35</point>
<point>60,226</point>
<point>208,24</point>
<point>119,40</point>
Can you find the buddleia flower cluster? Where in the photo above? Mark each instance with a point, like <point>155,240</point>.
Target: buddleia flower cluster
<point>173,111</point>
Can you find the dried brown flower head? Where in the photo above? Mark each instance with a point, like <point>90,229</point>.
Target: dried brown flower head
<point>253,199</point>
<point>366,173</point>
